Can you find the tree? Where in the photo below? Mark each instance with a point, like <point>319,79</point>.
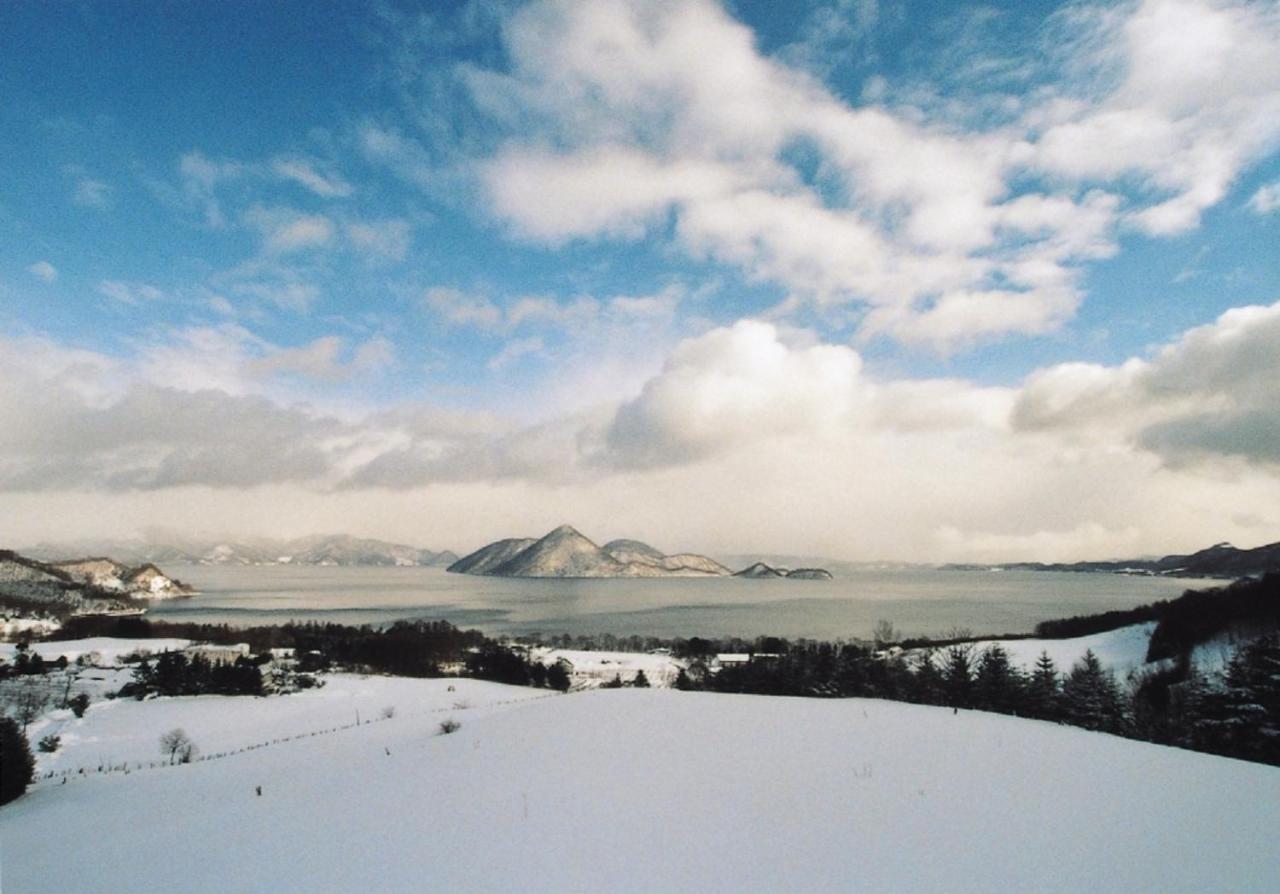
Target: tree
<point>997,684</point>
<point>957,675</point>
<point>558,677</point>
<point>177,746</point>
<point>640,681</point>
<point>79,703</point>
<point>29,701</point>
<point>1090,696</point>
<point>1043,689</point>
<point>885,634</point>
<point>17,764</point>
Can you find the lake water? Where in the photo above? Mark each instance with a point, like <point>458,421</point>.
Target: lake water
<point>916,601</point>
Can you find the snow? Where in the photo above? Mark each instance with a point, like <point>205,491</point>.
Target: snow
<point>103,650</point>
<point>640,790</point>
<point>592,669</point>
<point>1123,650</point>
<point>126,731</point>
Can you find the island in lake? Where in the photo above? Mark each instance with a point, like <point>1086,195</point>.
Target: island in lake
<point>566,553</point>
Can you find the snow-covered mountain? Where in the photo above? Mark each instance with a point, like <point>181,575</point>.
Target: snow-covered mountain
<point>565,552</point>
<point>32,588</point>
<point>321,549</point>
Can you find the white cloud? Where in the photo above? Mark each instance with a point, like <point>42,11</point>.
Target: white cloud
<point>201,178</point>
<point>460,309</point>
<point>308,172</point>
<point>86,190</point>
<point>130,292</point>
<point>1206,397</point>
<point>750,437</point>
<point>285,230</point>
<point>388,239</point>
<point>1266,199</point>
<point>1198,100</point>
<point>619,121</point>
<point>43,270</point>
<point>513,350</point>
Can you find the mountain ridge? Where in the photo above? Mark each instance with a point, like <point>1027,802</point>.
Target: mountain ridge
<point>566,553</point>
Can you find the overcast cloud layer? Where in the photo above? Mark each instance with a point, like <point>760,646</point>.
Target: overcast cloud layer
<point>864,280</point>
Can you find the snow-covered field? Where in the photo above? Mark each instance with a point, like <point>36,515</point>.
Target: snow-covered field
<point>101,650</point>
<point>591,669</point>
<point>125,733</point>
<point>1122,650</point>
<point>637,790</point>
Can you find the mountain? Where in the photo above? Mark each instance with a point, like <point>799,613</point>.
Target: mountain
<point>323,549</point>
<point>485,559</point>
<point>80,586</point>
<point>631,552</point>
<point>1219,560</point>
<point>565,552</point>
<point>562,553</point>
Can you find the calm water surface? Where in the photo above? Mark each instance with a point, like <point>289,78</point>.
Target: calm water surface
<point>917,601</point>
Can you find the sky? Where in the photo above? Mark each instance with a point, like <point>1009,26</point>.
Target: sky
<point>867,280</point>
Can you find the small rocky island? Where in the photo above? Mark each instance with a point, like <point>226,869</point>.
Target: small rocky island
<point>566,553</point>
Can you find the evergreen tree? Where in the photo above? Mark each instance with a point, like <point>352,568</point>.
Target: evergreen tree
<point>997,683</point>
<point>1090,696</point>
<point>640,681</point>
<point>17,764</point>
<point>558,677</point>
<point>1044,690</point>
<point>957,674</point>
<point>926,680</point>
<point>1242,718</point>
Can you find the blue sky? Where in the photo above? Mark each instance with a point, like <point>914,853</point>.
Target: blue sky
<point>567,248</point>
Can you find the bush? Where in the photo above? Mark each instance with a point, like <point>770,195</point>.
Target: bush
<point>49,744</point>
<point>449,726</point>
<point>79,703</point>
<point>17,765</point>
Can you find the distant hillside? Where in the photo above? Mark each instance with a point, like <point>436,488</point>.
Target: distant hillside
<point>1219,560</point>
<point>80,586</point>
<point>323,549</point>
<point>566,553</point>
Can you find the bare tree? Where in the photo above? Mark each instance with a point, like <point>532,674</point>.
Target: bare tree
<point>178,746</point>
<point>28,701</point>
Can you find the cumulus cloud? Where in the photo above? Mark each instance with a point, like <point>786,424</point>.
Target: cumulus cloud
<point>748,431</point>
<point>618,123</point>
<point>1206,396</point>
<point>43,270</point>
<point>1181,117</point>
<point>730,387</point>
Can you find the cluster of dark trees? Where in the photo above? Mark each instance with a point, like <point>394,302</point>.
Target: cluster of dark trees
<point>405,648</point>
<point>1193,618</point>
<point>173,673</point>
<point>28,662</point>
<point>1174,706</point>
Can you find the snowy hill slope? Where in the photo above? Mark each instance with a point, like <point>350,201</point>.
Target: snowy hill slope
<point>635,790</point>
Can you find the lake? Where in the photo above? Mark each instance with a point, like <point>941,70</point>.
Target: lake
<point>917,601</point>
